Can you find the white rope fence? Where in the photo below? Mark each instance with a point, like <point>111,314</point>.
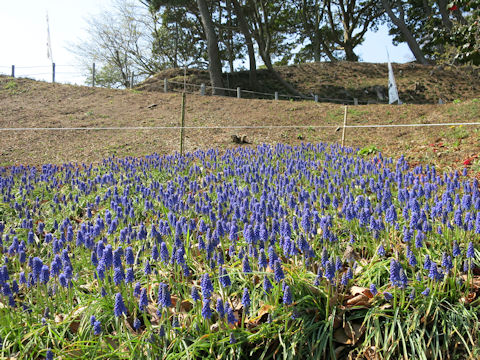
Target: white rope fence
<point>231,127</point>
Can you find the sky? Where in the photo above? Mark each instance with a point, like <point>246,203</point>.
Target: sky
<point>23,40</point>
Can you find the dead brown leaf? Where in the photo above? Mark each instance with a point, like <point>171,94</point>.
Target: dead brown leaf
<point>349,334</point>
<point>263,312</point>
<point>358,300</point>
<point>371,353</point>
<point>185,305</point>
<point>475,281</point>
<point>356,290</point>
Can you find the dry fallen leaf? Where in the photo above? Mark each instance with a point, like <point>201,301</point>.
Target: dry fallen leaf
<point>475,281</point>
<point>338,351</point>
<point>113,343</point>
<point>349,334</point>
<point>354,331</point>
<point>341,337</point>
<point>263,312</point>
<point>185,305</point>
<point>371,353</point>
<point>358,300</point>
<point>356,290</point>
<point>469,298</point>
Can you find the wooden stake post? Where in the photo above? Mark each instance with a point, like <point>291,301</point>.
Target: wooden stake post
<point>183,124</point>
<point>344,125</point>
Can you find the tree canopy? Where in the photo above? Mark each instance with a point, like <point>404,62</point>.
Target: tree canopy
<point>145,36</point>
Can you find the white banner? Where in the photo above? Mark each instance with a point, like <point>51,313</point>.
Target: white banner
<point>392,86</point>
<point>49,43</point>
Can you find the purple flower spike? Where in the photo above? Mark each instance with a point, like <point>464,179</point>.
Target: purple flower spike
<point>143,301</point>
<point>246,298</point>
<point>119,307</point>
<point>97,328</point>
<point>470,250</point>
<point>246,265</point>
<point>278,271</point>
<point>206,311</point>
<point>287,295</point>
<point>207,286</point>
<point>231,318</point>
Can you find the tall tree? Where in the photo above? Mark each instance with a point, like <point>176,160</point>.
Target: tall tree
<point>353,18</point>
<point>214,63</point>
<point>177,40</point>
<point>436,30</point>
<point>396,12</point>
<point>179,36</point>
<point>309,23</point>
<point>268,21</point>
<point>244,29</point>
<point>119,42</point>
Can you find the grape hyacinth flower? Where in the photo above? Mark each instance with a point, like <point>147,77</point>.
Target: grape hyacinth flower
<point>231,318</point>
<point>267,285</point>
<point>206,311</point>
<point>278,271</point>
<point>119,307</point>
<point>470,250</point>
<point>426,292</point>
<point>136,290</point>
<point>44,274</point>
<point>195,295</point>
<point>130,276</point>
<point>381,250</point>
<point>246,265</point>
<point>246,302</point>
<point>49,355</point>
<point>97,328</point>
<point>287,295</point>
<point>220,308</point>
<point>224,279</point>
<point>456,249</point>
<point>329,271</point>
<point>147,269</point>
<point>143,300</point>
<point>207,286</point>
<point>164,298</point>
<point>129,257</point>
<point>164,255</point>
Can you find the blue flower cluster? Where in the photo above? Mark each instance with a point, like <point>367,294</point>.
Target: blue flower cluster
<point>148,231</point>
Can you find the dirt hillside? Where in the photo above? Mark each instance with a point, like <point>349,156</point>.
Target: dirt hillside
<point>26,103</point>
<point>344,81</point>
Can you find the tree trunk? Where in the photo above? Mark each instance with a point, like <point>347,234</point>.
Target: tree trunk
<point>349,54</point>
<point>242,23</point>
<point>285,83</point>
<point>231,56</point>
<point>317,51</point>
<point>214,63</point>
<point>411,41</point>
<point>442,7</point>
<point>329,53</point>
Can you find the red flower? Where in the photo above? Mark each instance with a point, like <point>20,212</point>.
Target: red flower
<point>453,8</point>
<point>468,161</point>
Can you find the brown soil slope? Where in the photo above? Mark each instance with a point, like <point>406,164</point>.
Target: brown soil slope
<point>26,103</point>
<point>343,81</point>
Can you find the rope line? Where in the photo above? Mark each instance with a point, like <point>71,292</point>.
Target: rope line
<point>231,127</point>
<point>411,125</point>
